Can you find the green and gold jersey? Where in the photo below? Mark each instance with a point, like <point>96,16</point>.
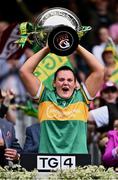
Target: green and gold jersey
<point>63,123</point>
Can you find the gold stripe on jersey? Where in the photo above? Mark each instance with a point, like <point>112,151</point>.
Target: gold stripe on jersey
<point>51,111</point>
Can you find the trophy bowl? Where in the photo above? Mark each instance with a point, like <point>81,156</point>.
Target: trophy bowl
<point>58,27</point>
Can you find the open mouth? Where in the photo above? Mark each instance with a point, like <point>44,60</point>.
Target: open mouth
<point>65,89</point>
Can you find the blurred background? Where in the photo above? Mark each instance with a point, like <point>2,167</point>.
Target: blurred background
<point>102,16</point>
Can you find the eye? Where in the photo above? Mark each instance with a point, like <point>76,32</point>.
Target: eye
<point>61,79</point>
<point>70,80</point>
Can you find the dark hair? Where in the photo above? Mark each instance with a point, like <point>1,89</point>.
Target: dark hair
<point>1,94</point>
<point>112,89</point>
<point>104,53</point>
<point>64,68</point>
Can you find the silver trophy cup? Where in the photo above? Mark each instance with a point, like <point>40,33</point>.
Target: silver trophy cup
<point>58,27</point>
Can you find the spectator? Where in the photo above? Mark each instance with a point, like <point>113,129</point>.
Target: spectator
<point>102,34</point>
<point>113,30</point>
<point>4,107</point>
<point>109,95</point>
<point>5,99</point>
<point>98,118</point>
<point>108,58</point>
<point>102,141</point>
<point>10,78</point>
<point>59,113</point>
<point>31,144</point>
<point>9,147</point>
<point>115,124</point>
<point>110,156</point>
<point>100,15</point>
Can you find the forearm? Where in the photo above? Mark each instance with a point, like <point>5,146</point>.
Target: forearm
<point>34,60</point>
<point>30,81</point>
<point>96,78</point>
<point>90,59</point>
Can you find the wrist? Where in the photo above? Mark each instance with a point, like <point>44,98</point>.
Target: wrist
<point>47,49</point>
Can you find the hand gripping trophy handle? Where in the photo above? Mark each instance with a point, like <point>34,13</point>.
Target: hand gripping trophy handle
<point>59,27</point>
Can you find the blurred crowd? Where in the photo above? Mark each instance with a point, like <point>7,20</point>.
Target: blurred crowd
<point>102,41</point>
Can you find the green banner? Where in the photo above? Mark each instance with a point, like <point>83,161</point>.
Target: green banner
<point>110,46</point>
<point>114,76</point>
<point>47,67</point>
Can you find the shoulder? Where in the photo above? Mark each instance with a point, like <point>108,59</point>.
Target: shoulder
<point>6,122</point>
<point>33,126</point>
<point>112,133</point>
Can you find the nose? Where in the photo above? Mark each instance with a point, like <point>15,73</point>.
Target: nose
<point>65,82</point>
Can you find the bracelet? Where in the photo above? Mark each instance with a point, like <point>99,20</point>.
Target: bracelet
<point>18,156</point>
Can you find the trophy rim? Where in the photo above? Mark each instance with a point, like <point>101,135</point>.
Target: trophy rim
<point>71,13</point>
<point>45,24</point>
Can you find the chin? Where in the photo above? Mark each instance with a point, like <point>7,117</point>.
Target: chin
<point>66,97</point>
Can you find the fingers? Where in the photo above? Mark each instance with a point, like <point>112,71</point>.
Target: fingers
<point>8,97</point>
<point>11,154</point>
<point>10,94</point>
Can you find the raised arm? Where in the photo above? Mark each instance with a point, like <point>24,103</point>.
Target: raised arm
<point>96,78</point>
<point>31,82</point>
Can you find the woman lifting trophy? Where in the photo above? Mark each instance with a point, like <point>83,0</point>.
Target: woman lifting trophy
<point>59,27</point>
